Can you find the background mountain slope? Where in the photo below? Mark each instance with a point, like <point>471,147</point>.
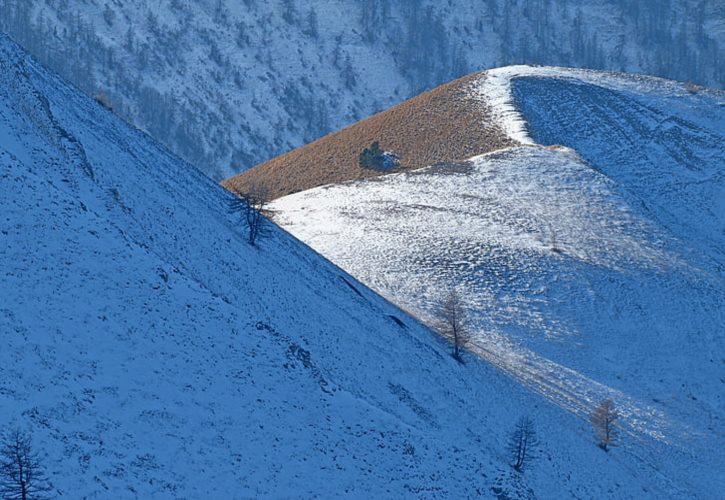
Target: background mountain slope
<point>228,84</point>
<point>152,353</point>
<point>590,255</point>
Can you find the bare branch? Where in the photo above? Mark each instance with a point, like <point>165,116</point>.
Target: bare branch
<point>523,443</point>
<point>252,203</point>
<point>454,323</point>
<point>21,473</point>
<point>605,421</point>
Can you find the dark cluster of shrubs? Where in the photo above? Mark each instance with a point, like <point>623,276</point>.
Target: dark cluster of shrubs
<point>374,157</point>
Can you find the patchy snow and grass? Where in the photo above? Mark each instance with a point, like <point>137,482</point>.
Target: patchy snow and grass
<point>228,84</point>
<point>592,264</point>
<point>152,353</point>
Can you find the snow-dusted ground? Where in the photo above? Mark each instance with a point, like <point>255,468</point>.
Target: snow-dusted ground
<point>152,353</point>
<point>592,269</point>
<point>228,83</point>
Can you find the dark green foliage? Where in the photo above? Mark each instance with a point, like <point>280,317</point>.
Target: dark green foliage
<point>372,157</point>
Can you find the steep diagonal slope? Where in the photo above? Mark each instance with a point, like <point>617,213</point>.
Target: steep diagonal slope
<point>586,279</point>
<point>152,353</point>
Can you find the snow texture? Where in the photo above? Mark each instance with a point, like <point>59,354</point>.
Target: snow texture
<point>226,84</point>
<point>152,353</point>
<point>591,256</point>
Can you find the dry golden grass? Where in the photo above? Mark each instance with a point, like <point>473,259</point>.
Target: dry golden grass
<point>442,125</point>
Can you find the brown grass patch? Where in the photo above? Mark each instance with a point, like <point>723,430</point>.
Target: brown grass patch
<point>442,125</point>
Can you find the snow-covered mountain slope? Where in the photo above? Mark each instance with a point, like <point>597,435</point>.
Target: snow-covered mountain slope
<point>152,353</point>
<point>668,155</point>
<point>227,84</point>
<point>593,268</point>
<point>446,124</point>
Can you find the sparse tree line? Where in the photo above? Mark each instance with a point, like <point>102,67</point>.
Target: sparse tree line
<point>23,476</point>
<point>523,446</point>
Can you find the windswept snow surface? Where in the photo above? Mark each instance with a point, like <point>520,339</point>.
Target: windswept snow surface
<point>152,353</point>
<point>592,263</point>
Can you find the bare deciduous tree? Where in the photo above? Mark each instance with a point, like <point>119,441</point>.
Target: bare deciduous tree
<point>454,323</point>
<point>523,442</point>
<point>604,419</point>
<point>21,473</point>
<point>252,203</point>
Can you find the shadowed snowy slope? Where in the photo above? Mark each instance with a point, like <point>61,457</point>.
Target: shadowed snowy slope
<point>592,271</point>
<point>152,353</point>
